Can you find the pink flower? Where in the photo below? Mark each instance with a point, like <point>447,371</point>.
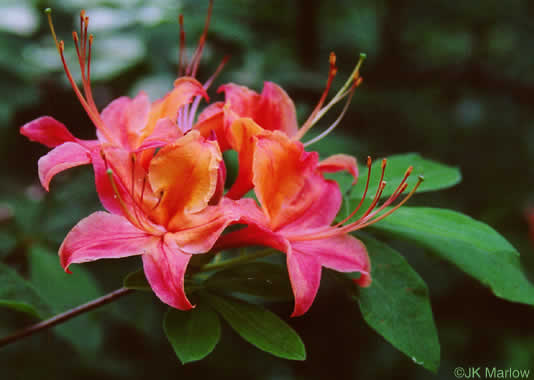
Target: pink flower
<point>166,214</point>
<point>297,209</point>
<point>273,110</point>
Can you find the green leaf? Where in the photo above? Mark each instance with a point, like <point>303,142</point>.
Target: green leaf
<point>258,279</point>
<point>64,291</point>
<point>437,176</point>
<point>259,327</point>
<point>18,294</point>
<point>397,305</point>
<point>137,281</point>
<point>193,334</point>
<point>474,247</point>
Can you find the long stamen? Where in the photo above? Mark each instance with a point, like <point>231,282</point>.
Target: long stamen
<point>182,46</point>
<point>89,107</point>
<point>159,200</point>
<point>379,189</point>
<point>191,112</point>
<point>193,65</point>
<point>353,80</point>
<point>327,131</point>
<point>124,209</point>
<point>309,122</point>
<point>393,197</point>
<point>369,162</point>
<point>367,218</point>
<point>420,179</point>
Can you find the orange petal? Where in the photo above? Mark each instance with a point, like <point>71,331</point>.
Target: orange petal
<point>185,89</point>
<point>184,174</point>
<point>241,136</point>
<point>272,110</point>
<point>285,178</point>
<point>339,162</point>
<point>214,123</point>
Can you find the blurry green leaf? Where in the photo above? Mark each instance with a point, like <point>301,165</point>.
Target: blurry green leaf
<point>259,327</point>
<point>7,242</point>
<point>193,334</point>
<point>64,291</point>
<point>137,280</point>
<point>18,294</point>
<point>437,176</point>
<point>473,246</point>
<point>397,305</point>
<point>259,279</point>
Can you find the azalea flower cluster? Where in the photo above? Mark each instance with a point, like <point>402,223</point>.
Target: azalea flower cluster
<point>160,174</point>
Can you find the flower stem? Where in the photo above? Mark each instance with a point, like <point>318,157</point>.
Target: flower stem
<point>30,330</point>
<point>110,297</point>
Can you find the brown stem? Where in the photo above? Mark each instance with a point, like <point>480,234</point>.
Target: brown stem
<point>110,297</point>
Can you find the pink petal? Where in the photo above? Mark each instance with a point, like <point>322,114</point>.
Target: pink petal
<point>305,276</point>
<point>276,110</point>
<point>62,157</point>
<point>105,191</point>
<point>104,236</point>
<point>321,212</point>
<point>198,232</point>
<point>285,179</point>
<point>47,131</point>
<point>272,110</point>
<point>339,162</point>
<point>210,111</point>
<point>343,253</point>
<point>165,270</point>
<point>125,119</point>
<point>165,132</point>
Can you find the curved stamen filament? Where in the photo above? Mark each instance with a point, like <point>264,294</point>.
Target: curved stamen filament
<point>369,162</point>
<point>309,122</point>
<point>193,65</point>
<point>124,208</point>
<point>367,218</point>
<point>87,104</point>
<point>347,89</point>
<point>182,46</point>
<point>192,111</point>
<point>379,190</point>
<point>327,131</point>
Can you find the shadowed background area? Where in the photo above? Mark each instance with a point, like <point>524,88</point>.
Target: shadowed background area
<point>451,80</point>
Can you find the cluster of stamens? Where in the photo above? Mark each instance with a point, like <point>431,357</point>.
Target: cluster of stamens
<point>371,215</point>
<point>346,91</point>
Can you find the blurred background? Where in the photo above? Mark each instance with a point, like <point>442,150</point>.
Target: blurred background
<point>451,80</point>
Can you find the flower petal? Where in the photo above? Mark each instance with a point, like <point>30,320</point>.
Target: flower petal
<point>339,162</point>
<point>241,136</point>
<point>104,236</point>
<point>213,121</point>
<point>198,232</point>
<point>165,132</point>
<point>62,157</point>
<point>320,213</point>
<point>105,191</point>
<point>165,270</point>
<point>272,110</point>
<point>47,131</point>
<point>305,276</point>
<point>285,178</point>
<point>191,160</point>
<point>125,119</point>
<point>343,253</point>
<point>185,89</point>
